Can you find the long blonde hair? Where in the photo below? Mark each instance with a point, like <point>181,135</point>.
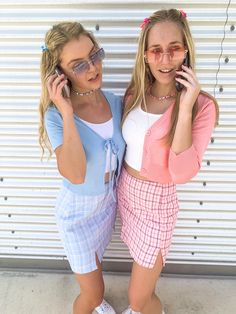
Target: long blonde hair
<point>55,39</point>
<point>142,77</point>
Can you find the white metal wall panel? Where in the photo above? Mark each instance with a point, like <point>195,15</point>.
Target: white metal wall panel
<point>206,229</point>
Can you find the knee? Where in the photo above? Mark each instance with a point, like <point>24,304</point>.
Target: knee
<point>138,301</point>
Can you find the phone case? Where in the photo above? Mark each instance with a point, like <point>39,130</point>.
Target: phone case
<point>66,88</point>
<point>178,85</point>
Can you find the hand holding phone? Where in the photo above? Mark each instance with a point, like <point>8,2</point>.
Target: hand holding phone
<point>66,88</point>
<point>178,85</point>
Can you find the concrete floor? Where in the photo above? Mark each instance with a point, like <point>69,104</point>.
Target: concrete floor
<point>43,293</point>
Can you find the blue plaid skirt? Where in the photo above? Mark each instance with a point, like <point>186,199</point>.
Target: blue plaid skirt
<point>85,225</point>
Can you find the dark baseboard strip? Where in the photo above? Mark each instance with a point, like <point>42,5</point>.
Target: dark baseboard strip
<point>116,266</point>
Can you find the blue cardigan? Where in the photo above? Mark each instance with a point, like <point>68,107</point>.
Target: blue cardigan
<point>94,145</point>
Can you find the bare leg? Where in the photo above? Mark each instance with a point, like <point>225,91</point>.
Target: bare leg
<point>142,295</point>
<point>91,291</point>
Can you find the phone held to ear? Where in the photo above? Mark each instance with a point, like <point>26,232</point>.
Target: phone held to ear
<point>66,88</point>
<point>178,85</point>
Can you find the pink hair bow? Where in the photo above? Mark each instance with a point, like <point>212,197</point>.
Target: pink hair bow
<point>145,21</point>
<point>183,13</point>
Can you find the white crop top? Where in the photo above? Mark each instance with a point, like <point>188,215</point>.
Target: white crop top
<point>105,130</point>
<point>134,129</point>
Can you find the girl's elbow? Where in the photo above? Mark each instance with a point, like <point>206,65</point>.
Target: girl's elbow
<point>77,180</point>
<point>74,178</point>
<point>185,176</point>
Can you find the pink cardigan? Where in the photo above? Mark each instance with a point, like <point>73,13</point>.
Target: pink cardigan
<point>160,163</point>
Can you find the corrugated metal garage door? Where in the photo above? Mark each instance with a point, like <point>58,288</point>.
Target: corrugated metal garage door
<point>206,231</point>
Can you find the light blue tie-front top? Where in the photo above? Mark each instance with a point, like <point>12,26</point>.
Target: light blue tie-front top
<point>95,147</point>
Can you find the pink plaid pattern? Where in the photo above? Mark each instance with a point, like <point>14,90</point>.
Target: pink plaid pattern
<point>148,212</point>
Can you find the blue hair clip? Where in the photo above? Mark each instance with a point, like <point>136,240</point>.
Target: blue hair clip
<point>44,48</point>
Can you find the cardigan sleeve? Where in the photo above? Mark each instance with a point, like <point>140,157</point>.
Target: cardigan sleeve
<point>185,165</point>
<point>54,127</point>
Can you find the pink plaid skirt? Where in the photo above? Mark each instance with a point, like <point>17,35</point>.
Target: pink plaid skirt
<point>148,212</point>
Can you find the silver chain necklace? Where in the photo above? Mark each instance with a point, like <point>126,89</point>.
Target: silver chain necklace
<point>85,93</point>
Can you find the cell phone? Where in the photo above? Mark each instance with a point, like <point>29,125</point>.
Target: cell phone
<point>178,85</point>
<point>66,88</point>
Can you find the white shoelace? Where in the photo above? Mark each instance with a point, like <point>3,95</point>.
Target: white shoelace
<point>134,312</point>
<point>104,306</point>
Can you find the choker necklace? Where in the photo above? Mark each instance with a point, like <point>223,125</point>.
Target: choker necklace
<point>160,98</point>
<point>84,94</point>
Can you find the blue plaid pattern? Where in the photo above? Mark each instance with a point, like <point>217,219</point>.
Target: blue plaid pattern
<point>85,226</point>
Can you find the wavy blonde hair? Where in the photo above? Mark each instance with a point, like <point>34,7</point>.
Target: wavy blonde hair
<point>55,39</point>
<point>142,77</point>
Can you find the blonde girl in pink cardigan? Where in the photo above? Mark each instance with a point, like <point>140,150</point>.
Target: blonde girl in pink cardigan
<point>167,123</point>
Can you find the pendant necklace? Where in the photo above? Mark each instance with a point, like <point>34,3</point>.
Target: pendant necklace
<point>160,98</point>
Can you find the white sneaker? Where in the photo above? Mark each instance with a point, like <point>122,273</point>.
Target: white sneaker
<point>105,308</point>
<point>129,311</point>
